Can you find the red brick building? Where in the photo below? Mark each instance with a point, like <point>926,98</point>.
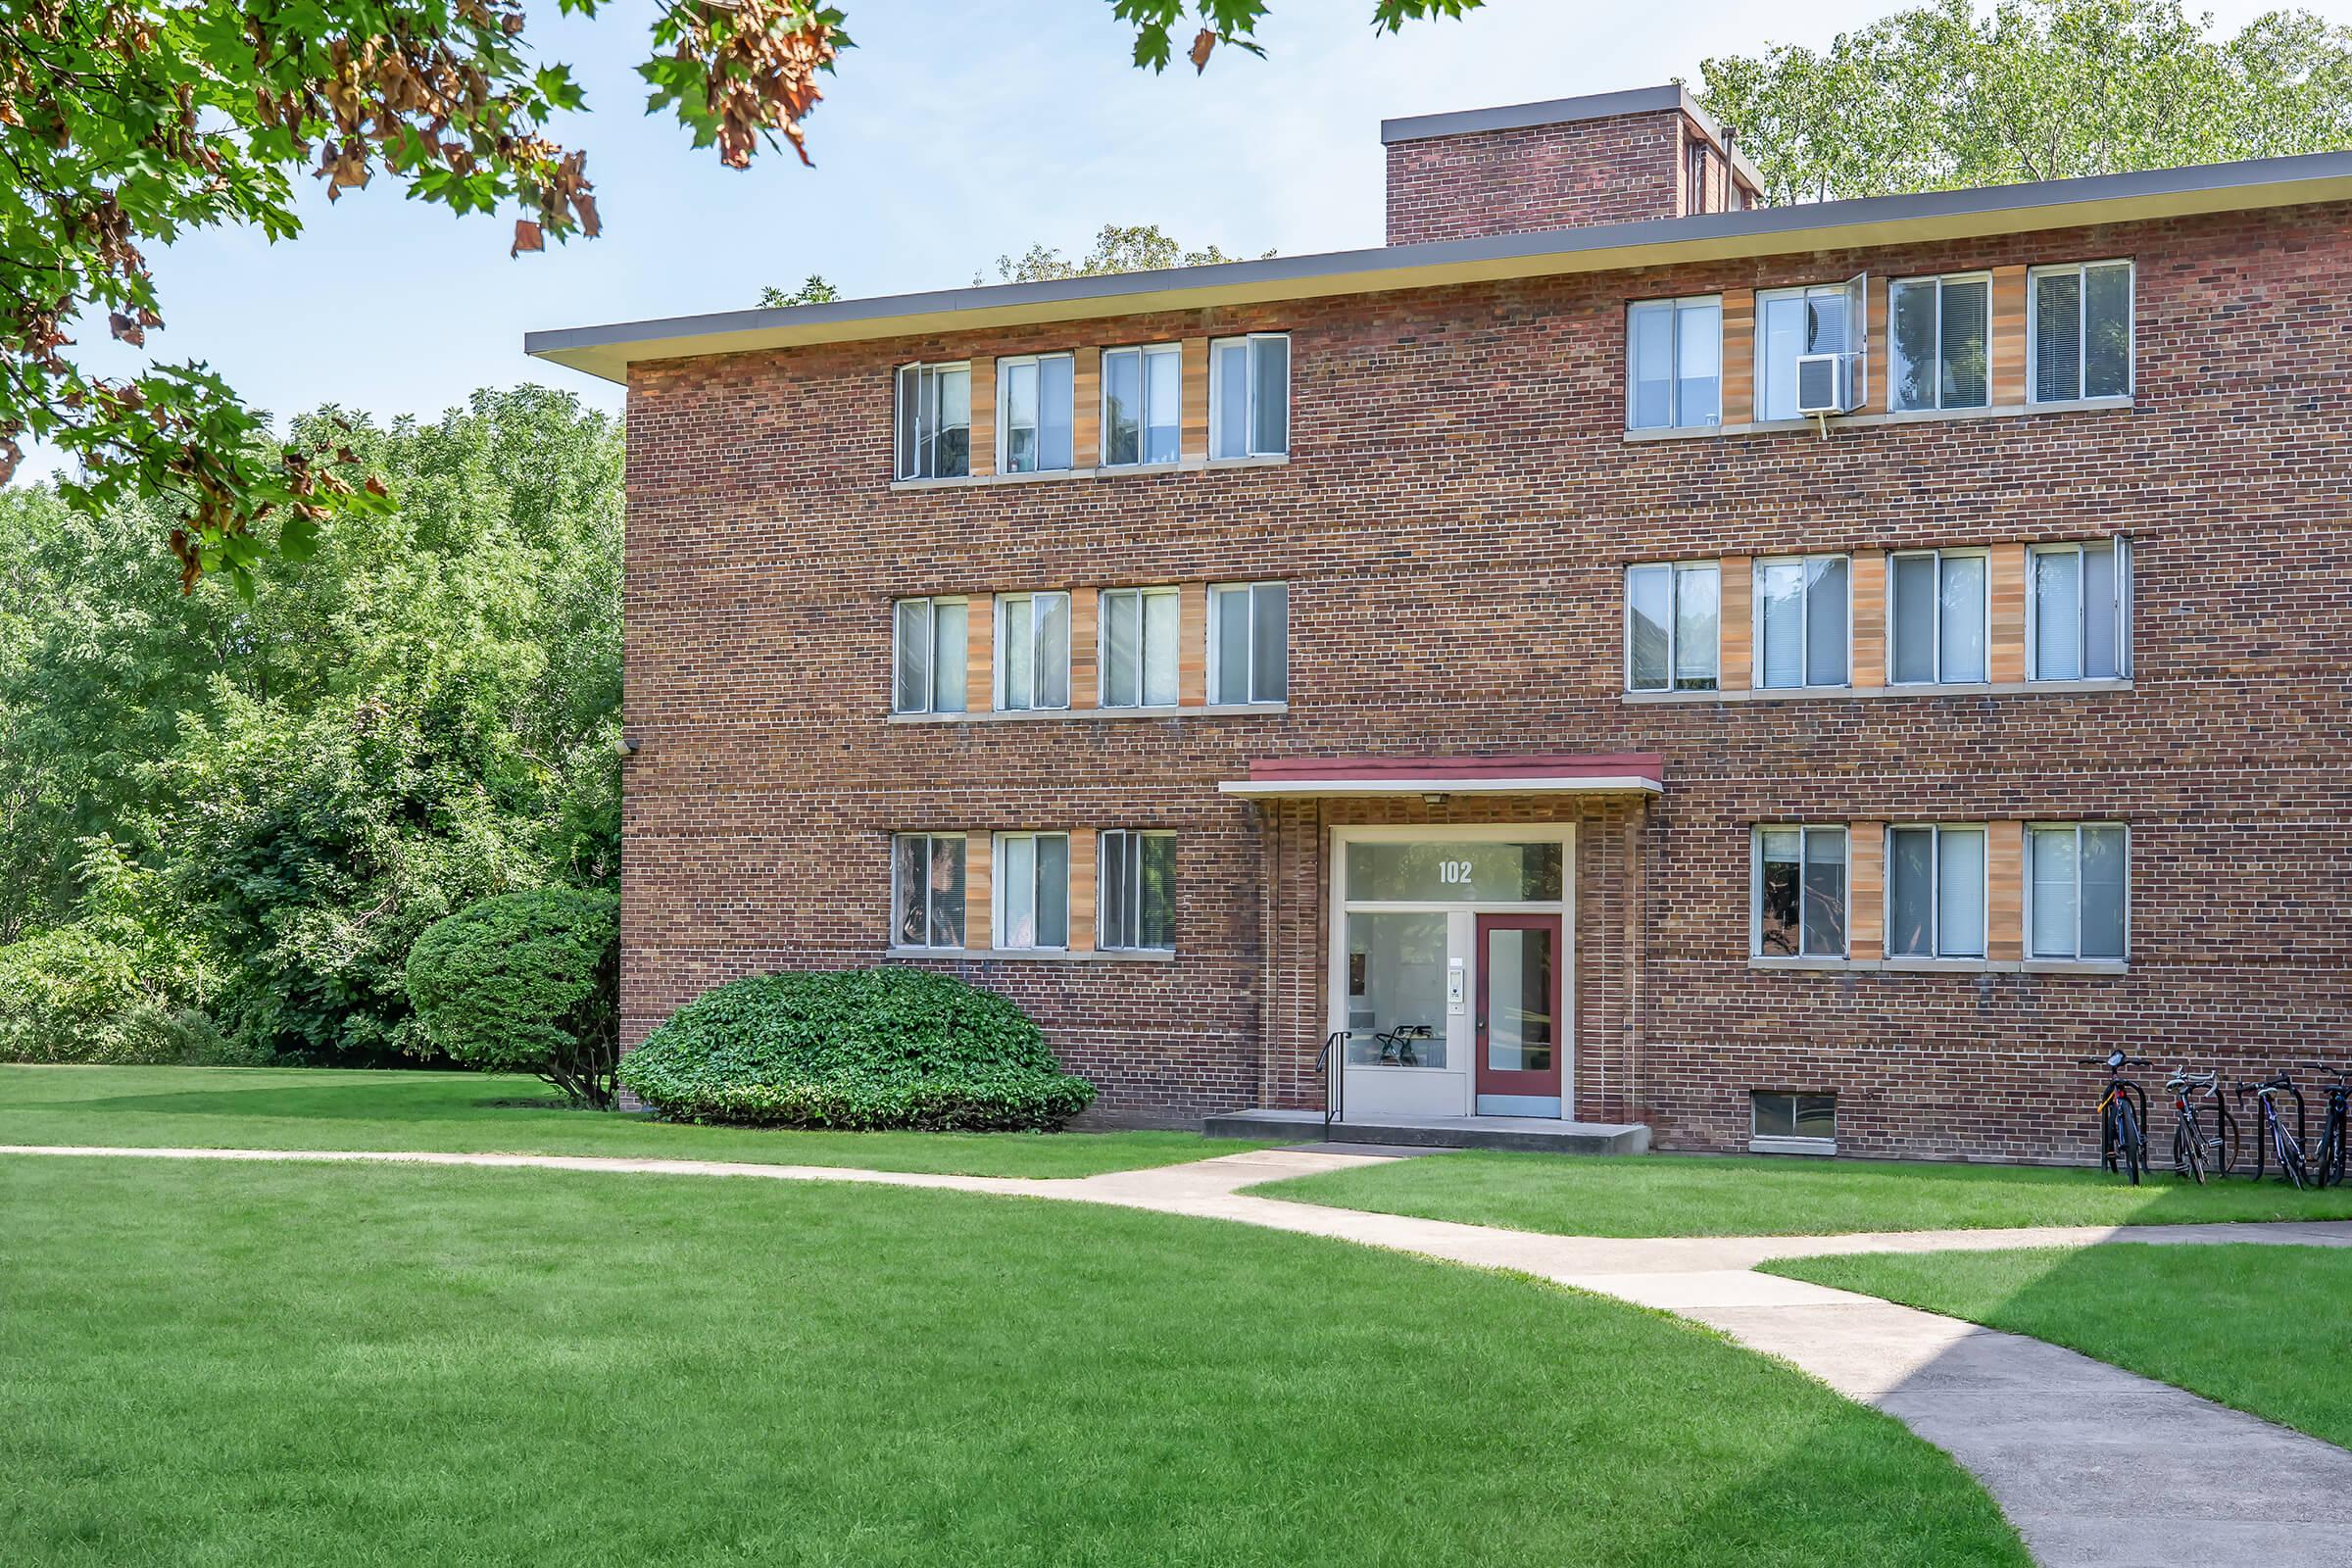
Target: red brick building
<point>1619,652</point>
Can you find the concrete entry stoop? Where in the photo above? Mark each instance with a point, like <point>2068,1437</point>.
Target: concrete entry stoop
<point>1542,1134</point>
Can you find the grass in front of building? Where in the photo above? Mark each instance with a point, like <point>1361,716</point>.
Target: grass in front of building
<point>2261,1328</point>
<point>1668,1195</point>
<point>485,1113</point>
<point>266,1365</point>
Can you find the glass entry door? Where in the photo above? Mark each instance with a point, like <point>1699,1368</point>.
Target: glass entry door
<point>1518,1025</point>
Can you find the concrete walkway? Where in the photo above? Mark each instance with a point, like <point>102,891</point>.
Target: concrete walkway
<point>2094,1465</point>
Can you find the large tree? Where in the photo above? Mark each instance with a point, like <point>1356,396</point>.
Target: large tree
<point>1945,95</point>
<point>127,123</point>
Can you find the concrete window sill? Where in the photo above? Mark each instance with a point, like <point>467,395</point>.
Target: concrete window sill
<point>1040,955</point>
<point>1798,693</point>
<point>1818,1148</point>
<point>2042,966</point>
<point>1194,464</point>
<point>1031,714</point>
<point>1864,422</point>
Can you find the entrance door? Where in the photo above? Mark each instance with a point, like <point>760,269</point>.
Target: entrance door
<point>1520,1026</point>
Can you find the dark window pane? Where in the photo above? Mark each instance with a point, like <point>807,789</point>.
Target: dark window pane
<point>1230,613</point>
<point>947,892</point>
<point>906,894</point>
<point>2057,337</point>
<point>914,635</point>
<point>1775,1116</point>
<point>1911,889</point>
<point>1159,873</point>
<point>1777,897</point>
<point>1270,376</point>
<point>1825,892</point>
<point>1912,345</point>
<point>1113,895</point>
<point>1649,590</point>
<point>1052,891</point>
<point>1122,408</point>
<point>1915,620</point>
<point>1122,615</point>
<point>1967,322</point>
<point>1816,1117</point>
<point>909,419</point>
<point>1231,438</point>
<point>2102,893</point>
<point>1054,414</point>
<point>2106,331</point>
<point>1824,622</point>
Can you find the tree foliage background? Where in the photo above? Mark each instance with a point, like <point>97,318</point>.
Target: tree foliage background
<point>238,816</point>
<point>1947,95</point>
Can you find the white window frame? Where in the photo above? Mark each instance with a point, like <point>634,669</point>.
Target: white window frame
<point>931,604</point>
<point>1940,555</point>
<point>2075,957</point>
<point>998,886</point>
<point>1804,616</point>
<point>2122,611</point>
<point>897,912</point>
<point>1935,942</point>
<point>898,408</point>
<point>1942,280</point>
<point>2033,275</point>
<point>1214,664</point>
<point>1216,397</point>
<point>1143,659</point>
<point>1675,570</point>
<point>1005,411</point>
<point>1673,352</point>
<point>1856,290</point>
<point>1119,840</point>
<point>1030,599</point>
<point>1755,891</point>
<point>1143,353</point>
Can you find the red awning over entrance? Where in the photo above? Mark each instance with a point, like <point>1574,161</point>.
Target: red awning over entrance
<point>1540,773</point>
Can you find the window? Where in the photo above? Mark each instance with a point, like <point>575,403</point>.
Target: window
<point>1143,399</point>
<point>1033,890</point>
<point>935,422</point>
<point>1139,647</point>
<point>1033,650</point>
<point>1033,414</point>
<point>1826,319</point>
<point>1248,642</point>
<point>1936,893</point>
<point>1138,880</point>
<point>2077,891</point>
<point>1670,626</point>
<point>1938,342</point>
<point>927,890</point>
<point>1249,396</point>
<point>1674,358</point>
<point>933,642</point>
<point>1802,621</point>
<point>2078,625</point>
<point>1937,606</point>
<point>1801,893</point>
<point>2079,322</point>
<point>1773,1114</point>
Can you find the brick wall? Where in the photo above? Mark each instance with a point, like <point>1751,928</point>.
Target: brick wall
<point>1453,522</point>
<point>1519,181</point>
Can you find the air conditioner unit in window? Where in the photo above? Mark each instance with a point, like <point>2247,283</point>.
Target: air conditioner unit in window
<point>1825,383</point>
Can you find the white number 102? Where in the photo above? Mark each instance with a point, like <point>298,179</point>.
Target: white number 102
<point>1456,871</point>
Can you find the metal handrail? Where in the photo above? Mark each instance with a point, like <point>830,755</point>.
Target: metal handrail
<point>1335,1091</point>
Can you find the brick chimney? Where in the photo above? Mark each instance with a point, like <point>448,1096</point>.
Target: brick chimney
<point>1610,158</point>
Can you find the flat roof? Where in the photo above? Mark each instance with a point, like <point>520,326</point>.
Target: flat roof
<point>1931,216</point>
<point>1567,110</point>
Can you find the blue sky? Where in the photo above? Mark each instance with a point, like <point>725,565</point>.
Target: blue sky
<point>957,131</point>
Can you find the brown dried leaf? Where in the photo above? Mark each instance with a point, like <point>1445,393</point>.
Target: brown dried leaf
<point>1204,44</point>
<point>11,455</point>
<point>127,329</point>
<point>527,238</point>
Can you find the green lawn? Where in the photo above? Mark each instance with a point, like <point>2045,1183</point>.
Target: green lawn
<point>273,1107</point>
<point>262,1365</point>
<point>2261,1329</point>
<point>1665,1194</point>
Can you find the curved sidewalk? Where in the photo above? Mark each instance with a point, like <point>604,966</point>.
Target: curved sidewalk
<point>2096,1465</point>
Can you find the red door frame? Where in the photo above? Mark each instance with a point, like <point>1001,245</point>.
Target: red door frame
<point>1499,1081</point>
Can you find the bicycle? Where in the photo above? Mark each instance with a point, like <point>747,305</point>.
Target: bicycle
<point>2123,1116</point>
<point>2328,1164</point>
<point>2193,1153</point>
<point>2286,1145</point>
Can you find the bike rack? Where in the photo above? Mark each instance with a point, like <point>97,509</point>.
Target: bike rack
<point>1335,1090</point>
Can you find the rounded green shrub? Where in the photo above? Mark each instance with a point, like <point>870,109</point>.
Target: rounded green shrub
<point>526,982</point>
<point>855,1048</point>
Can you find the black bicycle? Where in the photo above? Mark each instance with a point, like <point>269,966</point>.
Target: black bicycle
<point>2196,1152</point>
<point>2123,1116</point>
<point>2329,1160</point>
<point>2274,1136</point>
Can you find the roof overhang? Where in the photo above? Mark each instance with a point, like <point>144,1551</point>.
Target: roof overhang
<point>1328,777</point>
<point>1932,217</point>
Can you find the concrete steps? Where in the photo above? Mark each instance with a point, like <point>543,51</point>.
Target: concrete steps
<point>1540,1134</point>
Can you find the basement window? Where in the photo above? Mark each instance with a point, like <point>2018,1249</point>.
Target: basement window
<point>1785,1123</point>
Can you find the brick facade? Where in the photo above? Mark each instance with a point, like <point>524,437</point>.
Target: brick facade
<point>1453,522</point>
